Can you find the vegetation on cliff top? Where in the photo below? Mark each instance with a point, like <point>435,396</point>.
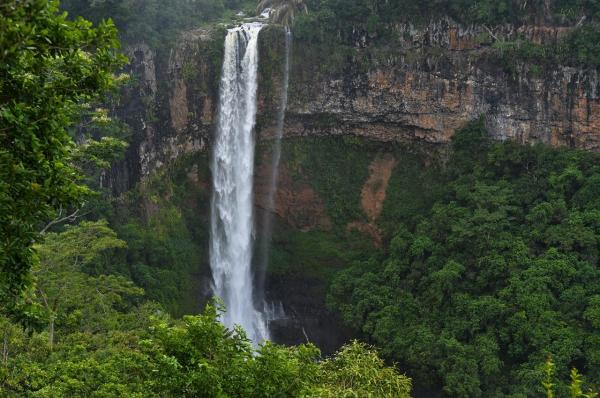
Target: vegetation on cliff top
<point>340,18</point>
<point>153,21</point>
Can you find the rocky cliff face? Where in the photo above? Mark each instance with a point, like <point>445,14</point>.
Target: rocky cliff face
<point>422,85</point>
<point>431,81</point>
<point>169,105</point>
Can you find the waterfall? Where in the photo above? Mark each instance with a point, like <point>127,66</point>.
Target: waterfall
<point>233,169</point>
<point>267,219</point>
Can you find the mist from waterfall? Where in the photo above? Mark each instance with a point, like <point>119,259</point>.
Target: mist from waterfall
<point>269,211</point>
<point>233,170</point>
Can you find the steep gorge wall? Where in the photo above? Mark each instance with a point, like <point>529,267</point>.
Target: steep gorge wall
<point>420,84</point>
<point>428,82</point>
<point>414,88</point>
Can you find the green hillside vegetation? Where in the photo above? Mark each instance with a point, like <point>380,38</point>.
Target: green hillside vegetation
<point>499,273</point>
<point>152,21</point>
<point>374,15</point>
<point>98,336</point>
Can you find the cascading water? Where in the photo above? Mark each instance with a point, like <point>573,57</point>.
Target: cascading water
<point>233,170</point>
<point>267,219</point>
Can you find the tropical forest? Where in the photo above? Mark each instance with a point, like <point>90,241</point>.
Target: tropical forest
<point>300,198</point>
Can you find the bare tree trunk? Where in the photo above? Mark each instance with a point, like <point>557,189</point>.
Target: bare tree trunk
<point>60,219</point>
<point>52,316</point>
<point>5,348</point>
<point>51,332</point>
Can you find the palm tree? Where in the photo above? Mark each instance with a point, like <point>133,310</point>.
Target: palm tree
<point>284,11</point>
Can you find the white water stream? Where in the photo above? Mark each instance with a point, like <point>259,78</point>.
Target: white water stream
<point>233,170</point>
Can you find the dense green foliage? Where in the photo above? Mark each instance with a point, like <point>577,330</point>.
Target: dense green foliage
<point>97,336</point>
<point>164,223</point>
<point>65,277</point>
<point>499,272</point>
<point>575,388</point>
<point>153,21</point>
<point>50,70</point>
<point>579,49</point>
<point>315,254</point>
<point>340,19</point>
<point>336,171</point>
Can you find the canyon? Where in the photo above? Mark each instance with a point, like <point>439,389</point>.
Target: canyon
<point>421,86</point>
<point>414,88</point>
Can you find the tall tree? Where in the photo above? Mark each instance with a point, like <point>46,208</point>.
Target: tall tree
<point>62,285</point>
<point>50,70</point>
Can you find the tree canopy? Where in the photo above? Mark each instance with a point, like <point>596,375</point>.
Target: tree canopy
<point>500,273</point>
<point>98,336</point>
<point>149,21</point>
<point>50,70</point>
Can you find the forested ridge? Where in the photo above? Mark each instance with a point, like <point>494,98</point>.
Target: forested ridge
<point>485,281</point>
